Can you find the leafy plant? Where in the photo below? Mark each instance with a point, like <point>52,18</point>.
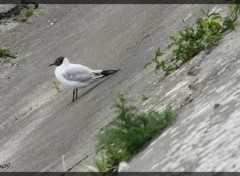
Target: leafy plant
<point>209,30</point>
<point>191,40</point>
<point>234,11</point>
<point>26,13</point>
<point>128,133</point>
<point>159,64</point>
<point>101,165</point>
<point>29,12</point>
<point>4,52</point>
<point>229,22</point>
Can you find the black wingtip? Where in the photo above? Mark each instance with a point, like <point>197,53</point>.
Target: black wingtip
<point>109,72</point>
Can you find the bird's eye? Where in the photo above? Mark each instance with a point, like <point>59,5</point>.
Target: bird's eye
<point>57,61</point>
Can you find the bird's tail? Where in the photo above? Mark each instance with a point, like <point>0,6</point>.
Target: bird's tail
<point>108,72</point>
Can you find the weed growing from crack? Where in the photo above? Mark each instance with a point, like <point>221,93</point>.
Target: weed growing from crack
<point>229,21</point>
<point>4,52</point>
<point>26,13</point>
<point>192,40</point>
<point>127,134</point>
<point>20,12</point>
<point>101,164</point>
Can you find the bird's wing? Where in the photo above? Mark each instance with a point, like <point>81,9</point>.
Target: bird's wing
<point>80,73</point>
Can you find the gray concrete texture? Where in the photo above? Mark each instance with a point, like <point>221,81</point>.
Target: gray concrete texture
<point>38,128</point>
<point>205,137</point>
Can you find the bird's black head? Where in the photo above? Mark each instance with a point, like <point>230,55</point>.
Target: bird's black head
<point>58,61</point>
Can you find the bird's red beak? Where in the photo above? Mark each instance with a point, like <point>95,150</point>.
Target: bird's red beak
<point>52,64</point>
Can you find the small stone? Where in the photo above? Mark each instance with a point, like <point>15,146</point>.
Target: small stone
<point>216,106</point>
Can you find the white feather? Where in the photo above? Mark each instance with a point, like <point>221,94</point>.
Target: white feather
<point>76,75</point>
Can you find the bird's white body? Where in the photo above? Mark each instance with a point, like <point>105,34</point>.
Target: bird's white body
<point>76,75</point>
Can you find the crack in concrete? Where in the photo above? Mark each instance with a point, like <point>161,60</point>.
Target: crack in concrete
<point>16,10</point>
<point>78,163</point>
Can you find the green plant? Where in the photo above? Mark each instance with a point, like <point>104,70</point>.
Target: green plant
<point>144,97</point>
<point>129,132</point>
<point>229,21</point>
<point>29,12</point>
<point>26,13</point>
<point>101,165</point>
<point>234,6</point>
<point>160,64</point>
<point>206,33</point>
<point>4,52</point>
<point>192,40</point>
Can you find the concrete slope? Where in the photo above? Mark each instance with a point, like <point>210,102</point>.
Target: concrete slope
<point>37,127</point>
<point>205,137</point>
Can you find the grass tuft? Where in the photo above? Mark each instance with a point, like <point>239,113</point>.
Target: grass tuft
<point>26,13</point>
<point>4,52</point>
<point>29,12</point>
<point>128,133</point>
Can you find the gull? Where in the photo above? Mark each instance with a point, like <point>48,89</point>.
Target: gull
<point>77,76</point>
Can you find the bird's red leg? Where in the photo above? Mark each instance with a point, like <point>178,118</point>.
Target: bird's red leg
<point>73,95</point>
<point>76,93</point>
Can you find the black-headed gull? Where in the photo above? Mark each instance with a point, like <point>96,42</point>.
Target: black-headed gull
<point>77,76</point>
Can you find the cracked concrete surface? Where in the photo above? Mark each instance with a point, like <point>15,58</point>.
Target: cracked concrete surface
<point>37,127</point>
<point>205,137</point>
